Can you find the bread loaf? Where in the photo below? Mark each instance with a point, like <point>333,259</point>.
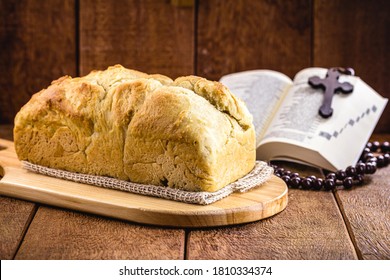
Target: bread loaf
<point>190,133</point>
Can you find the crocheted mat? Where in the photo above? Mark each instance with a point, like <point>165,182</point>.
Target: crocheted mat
<point>259,174</point>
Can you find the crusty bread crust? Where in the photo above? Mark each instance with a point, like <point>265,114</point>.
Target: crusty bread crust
<point>190,133</point>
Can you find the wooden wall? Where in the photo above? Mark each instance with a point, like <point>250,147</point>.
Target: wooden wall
<point>43,40</point>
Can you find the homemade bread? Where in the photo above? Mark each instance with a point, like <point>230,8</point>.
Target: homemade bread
<point>190,133</point>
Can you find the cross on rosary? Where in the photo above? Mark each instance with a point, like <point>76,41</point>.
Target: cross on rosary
<point>331,85</point>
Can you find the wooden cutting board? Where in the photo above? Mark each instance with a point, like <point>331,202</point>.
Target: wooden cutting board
<point>259,203</point>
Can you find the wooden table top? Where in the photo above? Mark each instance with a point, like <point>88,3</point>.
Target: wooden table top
<point>344,224</point>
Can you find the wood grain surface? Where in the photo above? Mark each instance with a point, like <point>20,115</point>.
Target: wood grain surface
<point>15,214</point>
<point>234,36</point>
<point>311,227</point>
<point>15,217</point>
<point>37,40</point>
<point>62,234</point>
<point>366,212</point>
<point>355,34</point>
<point>150,36</point>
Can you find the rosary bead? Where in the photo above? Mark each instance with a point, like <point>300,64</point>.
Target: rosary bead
<point>360,168</point>
<point>317,184</point>
<point>369,145</point>
<point>380,160</point>
<point>307,183</point>
<point>370,168</point>
<point>373,159</point>
<point>312,177</point>
<point>331,176</point>
<point>286,179</point>
<point>386,158</point>
<point>347,182</point>
<point>385,147</point>
<point>366,150</point>
<point>364,153</point>
<point>350,171</point>
<point>329,184</point>
<point>359,179</point>
<point>295,174</point>
<point>279,171</point>
<point>287,173</point>
<point>374,168</point>
<point>375,146</point>
<point>368,156</point>
<point>341,174</point>
<point>295,182</point>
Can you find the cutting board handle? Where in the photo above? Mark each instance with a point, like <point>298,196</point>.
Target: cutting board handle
<point>5,145</point>
<point>8,156</point>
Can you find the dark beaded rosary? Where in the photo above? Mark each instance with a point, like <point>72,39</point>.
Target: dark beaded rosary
<point>352,175</point>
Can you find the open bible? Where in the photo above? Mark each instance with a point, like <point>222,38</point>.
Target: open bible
<point>288,125</point>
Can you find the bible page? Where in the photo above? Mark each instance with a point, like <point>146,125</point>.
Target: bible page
<point>262,91</point>
<point>340,138</point>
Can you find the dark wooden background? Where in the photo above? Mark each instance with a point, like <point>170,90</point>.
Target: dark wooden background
<point>43,40</point>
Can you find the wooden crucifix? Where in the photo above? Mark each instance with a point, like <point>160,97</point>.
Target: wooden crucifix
<point>331,85</point>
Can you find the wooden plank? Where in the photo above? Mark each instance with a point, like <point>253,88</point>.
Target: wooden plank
<point>311,227</point>
<point>355,34</point>
<point>234,36</point>
<point>61,234</point>
<point>15,217</point>
<point>366,210</point>
<point>152,36</point>
<point>38,46</point>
